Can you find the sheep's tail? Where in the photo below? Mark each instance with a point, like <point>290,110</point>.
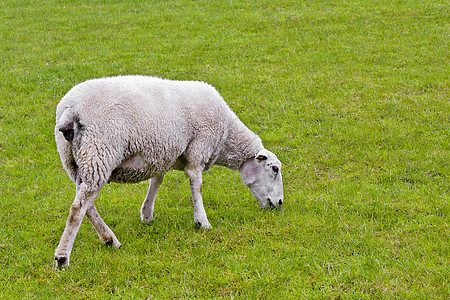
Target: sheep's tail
<point>67,123</point>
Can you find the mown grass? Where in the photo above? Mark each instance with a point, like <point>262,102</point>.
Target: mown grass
<point>351,95</point>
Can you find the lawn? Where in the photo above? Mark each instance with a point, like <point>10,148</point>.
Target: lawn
<point>353,97</point>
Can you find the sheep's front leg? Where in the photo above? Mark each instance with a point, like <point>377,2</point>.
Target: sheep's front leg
<point>195,178</point>
<point>149,202</point>
<point>84,198</point>
<point>103,231</point>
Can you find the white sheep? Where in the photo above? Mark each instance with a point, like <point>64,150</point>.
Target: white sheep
<point>133,128</point>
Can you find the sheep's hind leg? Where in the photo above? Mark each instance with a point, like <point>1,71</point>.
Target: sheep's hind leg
<point>149,202</point>
<point>84,198</point>
<point>195,178</point>
<point>103,231</point>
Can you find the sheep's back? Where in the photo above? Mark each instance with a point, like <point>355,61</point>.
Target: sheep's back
<point>157,118</point>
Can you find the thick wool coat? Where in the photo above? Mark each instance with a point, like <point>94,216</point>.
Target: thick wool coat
<point>132,128</point>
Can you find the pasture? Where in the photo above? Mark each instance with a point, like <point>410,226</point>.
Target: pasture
<point>352,96</point>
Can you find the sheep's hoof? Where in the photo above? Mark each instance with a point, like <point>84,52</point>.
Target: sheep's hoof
<point>62,261</point>
<point>112,241</point>
<point>204,225</point>
<point>146,220</point>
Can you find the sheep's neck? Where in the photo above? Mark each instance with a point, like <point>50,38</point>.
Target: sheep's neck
<point>240,145</point>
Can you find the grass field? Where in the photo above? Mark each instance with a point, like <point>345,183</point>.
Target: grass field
<point>353,97</point>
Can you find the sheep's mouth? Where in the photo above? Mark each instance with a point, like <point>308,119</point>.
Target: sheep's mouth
<point>274,206</point>
<point>271,205</point>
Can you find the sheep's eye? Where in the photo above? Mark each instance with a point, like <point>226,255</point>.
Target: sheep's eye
<point>275,169</point>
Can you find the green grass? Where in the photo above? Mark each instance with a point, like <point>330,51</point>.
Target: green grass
<point>353,96</point>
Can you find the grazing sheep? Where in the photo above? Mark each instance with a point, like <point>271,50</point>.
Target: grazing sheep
<point>133,128</point>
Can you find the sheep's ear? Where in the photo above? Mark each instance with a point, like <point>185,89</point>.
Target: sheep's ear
<point>261,157</point>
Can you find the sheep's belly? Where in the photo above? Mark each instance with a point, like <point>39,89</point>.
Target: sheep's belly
<point>133,169</point>
<point>124,175</point>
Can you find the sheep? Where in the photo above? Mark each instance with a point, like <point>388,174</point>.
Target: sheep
<point>132,128</point>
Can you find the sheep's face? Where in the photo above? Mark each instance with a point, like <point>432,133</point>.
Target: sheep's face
<point>262,175</point>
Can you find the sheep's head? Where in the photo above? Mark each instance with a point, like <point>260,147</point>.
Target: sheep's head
<point>262,175</point>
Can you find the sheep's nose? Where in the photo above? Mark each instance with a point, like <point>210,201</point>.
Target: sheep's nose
<point>280,202</point>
